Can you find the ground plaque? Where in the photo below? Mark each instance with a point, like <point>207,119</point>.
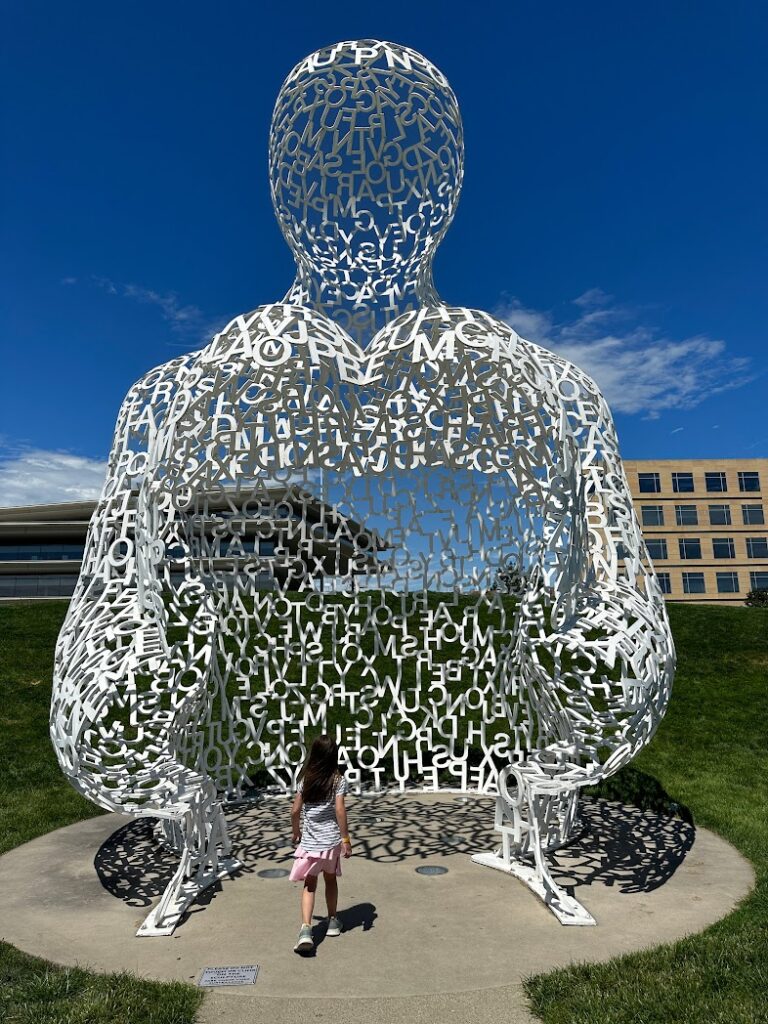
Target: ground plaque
<point>213,977</point>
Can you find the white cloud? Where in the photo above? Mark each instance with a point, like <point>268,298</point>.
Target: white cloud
<point>638,369</point>
<point>591,298</point>
<point>185,319</point>
<point>170,306</point>
<point>35,476</point>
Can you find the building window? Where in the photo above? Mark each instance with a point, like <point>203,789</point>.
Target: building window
<point>693,583</point>
<point>682,483</point>
<point>753,515</point>
<point>749,482</point>
<point>758,581</point>
<point>649,483</point>
<point>722,547</point>
<point>686,515</point>
<point>664,582</point>
<point>716,481</point>
<point>41,552</point>
<point>43,585</point>
<point>690,547</point>
<point>266,547</point>
<point>657,547</point>
<point>757,547</point>
<point>727,583</point>
<point>719,515</point>
<point>653,515</point>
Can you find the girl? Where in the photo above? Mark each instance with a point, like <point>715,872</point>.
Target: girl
<point>319,821</point>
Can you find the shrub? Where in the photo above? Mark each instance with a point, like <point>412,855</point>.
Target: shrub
<point>757,598</point>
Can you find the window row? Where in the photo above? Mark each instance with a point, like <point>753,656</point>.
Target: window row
<point>41,552</point>
<point>28,585</point>
<point>726,582</point>
<point>722,547</point>
<point>688,515</point>
<point>682,483</point>
<point>63,585</point>
<point>229,548</point>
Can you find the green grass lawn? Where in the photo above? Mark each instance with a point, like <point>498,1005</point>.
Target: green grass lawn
<point>710,754</point>
<point>34,799</point>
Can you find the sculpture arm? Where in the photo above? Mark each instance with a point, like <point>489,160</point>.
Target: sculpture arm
<point>111,710</point>
<point>601,653</point>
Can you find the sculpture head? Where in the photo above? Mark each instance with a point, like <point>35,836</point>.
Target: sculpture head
<point>366,162</point>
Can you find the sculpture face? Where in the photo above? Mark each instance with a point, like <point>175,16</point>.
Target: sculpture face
<point>366,158</point>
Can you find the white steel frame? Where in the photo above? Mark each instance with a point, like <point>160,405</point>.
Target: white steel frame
<point>339,482</point>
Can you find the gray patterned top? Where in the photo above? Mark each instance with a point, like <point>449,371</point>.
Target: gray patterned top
<point>319,828</point>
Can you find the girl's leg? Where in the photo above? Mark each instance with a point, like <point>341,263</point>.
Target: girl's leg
<point>308,899</point>
<point>331,893</point>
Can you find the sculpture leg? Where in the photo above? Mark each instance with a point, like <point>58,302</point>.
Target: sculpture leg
<point>169,832</point>
<point>524,821</point>
<point>566,908</point>
<point>205,858</point>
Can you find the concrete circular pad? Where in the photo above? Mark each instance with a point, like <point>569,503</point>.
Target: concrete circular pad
<point>77,895</point>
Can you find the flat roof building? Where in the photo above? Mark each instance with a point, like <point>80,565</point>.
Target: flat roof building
<point>704,522</point>
<point>42,546</point>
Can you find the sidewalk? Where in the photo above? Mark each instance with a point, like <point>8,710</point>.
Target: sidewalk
<point>416,948</point>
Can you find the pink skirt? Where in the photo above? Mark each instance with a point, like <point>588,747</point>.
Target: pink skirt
<point>306,864</point>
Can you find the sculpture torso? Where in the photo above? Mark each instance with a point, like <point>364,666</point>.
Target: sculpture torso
<point>440,443</point>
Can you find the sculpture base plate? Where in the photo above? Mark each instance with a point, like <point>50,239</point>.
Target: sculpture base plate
<point>566,909</point>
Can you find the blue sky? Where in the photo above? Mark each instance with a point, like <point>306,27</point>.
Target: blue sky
<point>614,206</point>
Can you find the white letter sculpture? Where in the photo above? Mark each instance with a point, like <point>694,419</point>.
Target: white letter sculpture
<point>309,525</point>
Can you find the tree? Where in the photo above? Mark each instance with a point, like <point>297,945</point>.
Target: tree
<point>510,579</point>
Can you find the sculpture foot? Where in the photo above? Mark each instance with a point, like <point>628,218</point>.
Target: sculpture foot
<point>566,909</point>
<point>181,894</point>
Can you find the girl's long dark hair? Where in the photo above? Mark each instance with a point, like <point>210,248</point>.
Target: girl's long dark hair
<point>320,771</point>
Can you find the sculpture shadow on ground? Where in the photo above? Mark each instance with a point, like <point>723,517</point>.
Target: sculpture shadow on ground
<point>625,847</point>
<point>617,845</point>
<point>133,865</point>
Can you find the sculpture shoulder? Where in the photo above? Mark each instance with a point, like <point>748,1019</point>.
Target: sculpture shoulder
<point>569,378</point>
<point>143,409</point>
<point>157,385</point>
<point>278,333</point>
<point>257,337</point>
<point>446,332</point>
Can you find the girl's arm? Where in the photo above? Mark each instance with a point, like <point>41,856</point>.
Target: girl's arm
<point>341,818</point>
<point>296,817</point>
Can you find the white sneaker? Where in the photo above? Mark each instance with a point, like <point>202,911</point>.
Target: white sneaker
<point>335,926</point>
<point>305,941</point>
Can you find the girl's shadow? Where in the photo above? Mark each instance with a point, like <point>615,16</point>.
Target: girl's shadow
<point>361,915</point>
